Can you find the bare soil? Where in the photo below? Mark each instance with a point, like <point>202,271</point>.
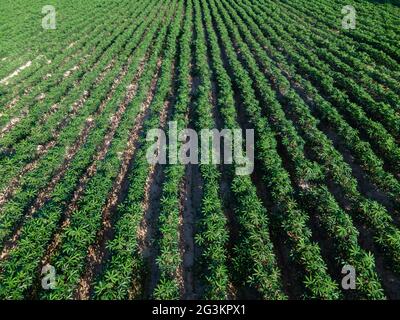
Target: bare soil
<point>15,73</point>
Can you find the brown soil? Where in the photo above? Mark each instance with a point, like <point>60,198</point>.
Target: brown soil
<point>70,71</point>
<point>191,197</point>
<point>13,103</point>
<point>185,274</point>
<point>151,207</point>
<point>15,73</point>
<point>147,231</point>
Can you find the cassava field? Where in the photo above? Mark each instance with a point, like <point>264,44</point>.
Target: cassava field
<point>84,214</point>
